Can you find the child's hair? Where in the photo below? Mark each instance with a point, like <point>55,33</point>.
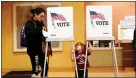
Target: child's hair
<point>82,46</point>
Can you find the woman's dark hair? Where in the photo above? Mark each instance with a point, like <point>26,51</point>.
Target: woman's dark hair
<point>37,11</point>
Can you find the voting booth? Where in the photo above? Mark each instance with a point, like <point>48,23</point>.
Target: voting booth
<point>99,27</point>
<point>60,27</point>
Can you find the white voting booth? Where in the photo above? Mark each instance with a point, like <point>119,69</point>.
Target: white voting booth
<point>60,26</point>
<point>99,27</point>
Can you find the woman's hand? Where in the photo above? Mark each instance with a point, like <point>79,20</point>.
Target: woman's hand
<point>44,32</point>
<point>44,28</point>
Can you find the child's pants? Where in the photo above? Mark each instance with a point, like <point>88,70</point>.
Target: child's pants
<point>81,74</point>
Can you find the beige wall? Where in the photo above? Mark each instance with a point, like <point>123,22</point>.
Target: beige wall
<point>119,11</point>
<point>103,58</point>
<point>7,39</point>
<point>12,60</point>
<point>62,58</point>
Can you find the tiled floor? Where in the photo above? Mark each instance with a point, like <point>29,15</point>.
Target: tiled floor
<point>95,72</point>
<point>92,72</point>
<point>71,74</point>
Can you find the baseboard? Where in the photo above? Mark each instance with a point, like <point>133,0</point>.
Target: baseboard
<point>129,69</point>
<point>4,70</point>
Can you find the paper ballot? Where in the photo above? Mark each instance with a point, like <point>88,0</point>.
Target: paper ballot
<point>45,34</point>
<point>128,34</point>
<point>49,34</point>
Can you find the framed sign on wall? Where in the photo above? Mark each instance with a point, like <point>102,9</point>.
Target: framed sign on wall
<point>21,13</point>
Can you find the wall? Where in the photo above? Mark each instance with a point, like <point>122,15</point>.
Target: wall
<point>62,59</point>
<point>20,61</point>
<point>119,11</point>
<point>7,39</point>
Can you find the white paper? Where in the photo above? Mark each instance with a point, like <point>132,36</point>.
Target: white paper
<point>95,27</point>
<point>57,26</point>
<point>45,34</point>
<point>128,34</point>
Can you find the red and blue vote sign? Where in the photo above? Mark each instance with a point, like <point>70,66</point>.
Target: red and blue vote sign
<point>60,22</point>
<point>98,21</point>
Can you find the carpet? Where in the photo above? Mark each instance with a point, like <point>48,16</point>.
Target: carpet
<point>17,74</point>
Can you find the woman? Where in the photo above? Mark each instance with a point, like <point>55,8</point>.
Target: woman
<point>33,31</point>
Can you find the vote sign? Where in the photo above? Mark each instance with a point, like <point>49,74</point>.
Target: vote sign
<point>60,22</point>
<point>98,21</point>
